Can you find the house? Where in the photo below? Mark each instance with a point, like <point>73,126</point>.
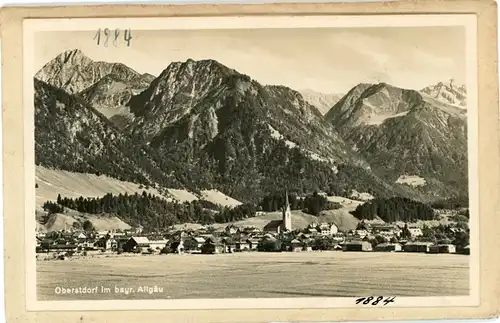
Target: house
<point>229,245</point>
<point>199,241</point>
<point>66,234</point>
<point>120,241</point>
<point>117,235</point>
<point>386,230</point>
<point>79,236</point>
<point>249,230</point>
<point>442,248</point>
<point>296,245</point>
<point>328,229</point>
<point>283,225</point>
<point>242,245</point>
<point>312,230</point>
<point>136,243</point>
<point>338,239</point>
<point>415,231</point>
<point>361,233</point>
<point>273,226</point>
<point>417,247</point>
<point>157,244</point>
<point>47,244</point>
<point>64,248</point>
<point>111,244</point>
<point>364,226</point>
<point>102,234</point>
<point>210,238</point>
<point>231,229</point>
<point>303,235</point>
<point>138,229</point>
<point>357,246</point>
<point>388,247</point>
<point>383,227</point>
<point>253,242</point>
<point>212,247</point>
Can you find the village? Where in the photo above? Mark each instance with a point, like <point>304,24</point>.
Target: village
<point>276,236</point>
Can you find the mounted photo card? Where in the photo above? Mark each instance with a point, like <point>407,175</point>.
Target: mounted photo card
<point>251,163</point>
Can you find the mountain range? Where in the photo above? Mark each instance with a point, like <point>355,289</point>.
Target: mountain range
<point>322,101</point>
<point>448,92</point>
<point>202,125</point>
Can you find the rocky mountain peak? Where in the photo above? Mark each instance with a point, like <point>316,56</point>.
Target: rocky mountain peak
<point>449,92</point>
<point>322,101</point>
<point>372,104</point>
<point>200,69</point>
<point>178,89</point>
<point>73,56</point>
<point>73,71</point>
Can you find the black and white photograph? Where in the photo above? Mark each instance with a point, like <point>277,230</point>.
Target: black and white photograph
<point>237,162</point>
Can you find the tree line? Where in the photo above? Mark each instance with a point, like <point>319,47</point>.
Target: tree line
<point>394,209</point>
<point>452,203</point>
<point>151,211</point>
<point>313,203</point>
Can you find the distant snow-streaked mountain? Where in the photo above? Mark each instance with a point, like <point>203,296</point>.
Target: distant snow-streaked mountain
<point>449,92</point>
<point>323,102</point>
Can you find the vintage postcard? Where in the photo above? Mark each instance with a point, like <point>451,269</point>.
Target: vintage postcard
<point>251,163</point>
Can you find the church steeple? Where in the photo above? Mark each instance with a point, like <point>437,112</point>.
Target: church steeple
<point>286,224</point>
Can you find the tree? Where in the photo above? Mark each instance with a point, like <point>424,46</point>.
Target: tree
<point>380,239</point>
<point>190,244</point>
<point>88,226</point>
<point>315,203</point>
<point>323,243</point>
<point>267,245</point>
<point>461,239</point>
<point>394,240</point>
<point>405,233</point>
<point>462,225</point>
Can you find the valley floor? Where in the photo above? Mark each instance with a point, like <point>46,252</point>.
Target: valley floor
<point>261,275</point>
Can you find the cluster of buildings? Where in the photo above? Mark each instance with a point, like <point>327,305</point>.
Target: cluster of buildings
<point>280,233</point>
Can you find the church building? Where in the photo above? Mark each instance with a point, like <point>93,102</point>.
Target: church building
<point>283,225</point>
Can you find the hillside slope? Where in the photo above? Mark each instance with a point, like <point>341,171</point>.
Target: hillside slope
<point>71,135</point>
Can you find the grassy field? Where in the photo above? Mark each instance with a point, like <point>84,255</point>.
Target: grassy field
<point>248,275</point>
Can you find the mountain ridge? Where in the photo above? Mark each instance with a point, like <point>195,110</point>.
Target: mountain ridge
<point>202,125</point>
<point>322,101</point>
<point>448,92</point>
<point>403,133</point>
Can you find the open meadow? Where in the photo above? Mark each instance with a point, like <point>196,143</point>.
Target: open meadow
<point>255,275</point>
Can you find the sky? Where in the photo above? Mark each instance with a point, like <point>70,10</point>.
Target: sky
<point>329,60</point>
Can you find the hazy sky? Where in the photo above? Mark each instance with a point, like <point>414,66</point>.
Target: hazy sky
<point>330,60</point>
